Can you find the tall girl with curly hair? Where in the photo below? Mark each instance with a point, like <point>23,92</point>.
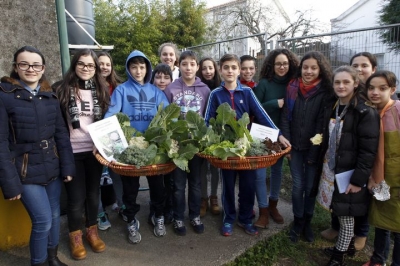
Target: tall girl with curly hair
<point>84,97</point>
<point>302,119</point>
<point>278,68</point>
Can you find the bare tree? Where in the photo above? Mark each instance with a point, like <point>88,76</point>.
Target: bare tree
<point>252,17</point>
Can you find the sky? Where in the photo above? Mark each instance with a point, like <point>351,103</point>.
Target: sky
<point>324,10</point>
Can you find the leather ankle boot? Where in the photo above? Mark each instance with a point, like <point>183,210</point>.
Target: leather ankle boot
<point>263,218</point>
<point>94,240</point>
<point>337,258</point>
<point>78,251</point>
<point>52,257</point>
<point>214,207</point>
<point>203,207</point>
<point>273,211</point>
<point>297,228</point>
<point>308,232</point>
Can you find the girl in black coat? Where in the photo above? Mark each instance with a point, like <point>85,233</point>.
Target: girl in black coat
<point>350,141</point>
<point>35,151</point>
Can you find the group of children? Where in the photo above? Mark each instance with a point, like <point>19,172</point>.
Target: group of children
<point>352,109</point>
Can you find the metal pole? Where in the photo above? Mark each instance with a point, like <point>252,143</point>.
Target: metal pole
<point>62,35</point>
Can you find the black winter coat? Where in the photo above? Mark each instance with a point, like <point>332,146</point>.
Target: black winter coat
<point>34,141</point>
<point>357,150</point>
<point>307,120</point>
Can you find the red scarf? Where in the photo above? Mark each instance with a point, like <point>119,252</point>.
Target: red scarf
<point>308,89</point>
<point>250,83</point>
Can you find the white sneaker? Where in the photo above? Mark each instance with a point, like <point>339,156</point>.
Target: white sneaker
<point>133,232</point>
<point>159,227</point>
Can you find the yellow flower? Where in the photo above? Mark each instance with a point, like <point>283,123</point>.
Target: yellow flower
<point>317,139</point>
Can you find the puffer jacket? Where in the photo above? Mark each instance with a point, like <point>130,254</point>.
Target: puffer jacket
<point>34,139</point>
<point>357,150</point>
<point>307,120</point>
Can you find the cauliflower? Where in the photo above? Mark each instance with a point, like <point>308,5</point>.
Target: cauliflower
<point>173,149</point>
<point>139,142</point>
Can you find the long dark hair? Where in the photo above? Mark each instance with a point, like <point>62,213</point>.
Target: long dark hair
<point>268,66</point>
<point>31,49</point>
<point>71,80</point>
<point>325,71</point>
<point>113,79</point>
<point>216,80</point>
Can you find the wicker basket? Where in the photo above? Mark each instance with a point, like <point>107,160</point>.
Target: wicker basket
<point>245,163</point>
<point>131,170</point>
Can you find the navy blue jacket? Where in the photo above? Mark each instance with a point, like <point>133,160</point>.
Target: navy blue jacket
<point>34,139</point>
<point>242,101</point>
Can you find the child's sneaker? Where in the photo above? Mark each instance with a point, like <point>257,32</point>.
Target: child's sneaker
<point>179,228</point>
<point>115,207</point>
<point>133,232</point>
<point>159,227</point>
<point>227,229</point>
<point>102,221</point>
<point>197,225</point>
<point>249,228</point>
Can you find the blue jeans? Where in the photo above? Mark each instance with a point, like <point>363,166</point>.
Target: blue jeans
<point>303,175</point>
<point>194,189</point>
<point>245,197</point>
<point>382,246</point>
<point>43,206</point>
<point>275,183</point>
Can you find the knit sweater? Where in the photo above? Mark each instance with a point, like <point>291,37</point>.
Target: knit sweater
<point>269,92</point>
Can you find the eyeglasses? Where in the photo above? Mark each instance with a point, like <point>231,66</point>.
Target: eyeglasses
<point>279,65</point>
<point>82,65</point>
<point>25,67</point>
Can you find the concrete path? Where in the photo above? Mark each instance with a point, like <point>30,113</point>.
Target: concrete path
<point>209,248</point>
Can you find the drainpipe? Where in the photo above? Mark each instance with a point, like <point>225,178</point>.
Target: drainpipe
<point>62,35</point>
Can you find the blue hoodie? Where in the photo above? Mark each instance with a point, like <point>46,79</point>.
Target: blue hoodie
<point>139,102</point>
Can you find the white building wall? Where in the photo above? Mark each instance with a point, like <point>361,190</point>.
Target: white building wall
<point>363,14</point>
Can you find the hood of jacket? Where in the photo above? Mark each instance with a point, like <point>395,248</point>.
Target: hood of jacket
<point>44,85</point>
<point>149,68</point>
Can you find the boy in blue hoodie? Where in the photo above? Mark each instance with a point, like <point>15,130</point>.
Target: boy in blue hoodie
<point>190,94</point>
<point>139,99</point>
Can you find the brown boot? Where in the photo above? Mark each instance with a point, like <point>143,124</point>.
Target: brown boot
<point>94,240</point>
<point>214,207</point>
<point>263,218</point>
<point>273,211</point>
<point>203,207</point>
<point>78,251</point>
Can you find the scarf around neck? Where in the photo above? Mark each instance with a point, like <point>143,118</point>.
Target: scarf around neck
<point>73,107</point>
<point>378,171</point>
<point>250,83</point>
<point>292,92</point>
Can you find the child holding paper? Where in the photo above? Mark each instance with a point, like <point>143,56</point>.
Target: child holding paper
<point>242,99</point>
<point>350,141</point>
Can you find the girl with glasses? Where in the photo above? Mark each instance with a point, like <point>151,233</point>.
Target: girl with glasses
<point>36,155</point>
<point>84,98</point>
<point>278,68</point>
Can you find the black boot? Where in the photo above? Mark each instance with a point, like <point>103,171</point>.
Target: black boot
<point>297,228</point>
<point>351,250</point>
<point>52,257</point>
<point>337,258</point>
<point>308,232</point>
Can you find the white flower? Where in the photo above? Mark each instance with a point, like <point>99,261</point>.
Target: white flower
<point>173,149</point>
<point>317,139</point>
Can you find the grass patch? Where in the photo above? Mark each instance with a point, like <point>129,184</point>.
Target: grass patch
<point>279,250</point>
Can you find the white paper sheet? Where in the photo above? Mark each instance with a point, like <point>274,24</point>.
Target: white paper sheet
<point>343,180</point>
<point>262,132</point>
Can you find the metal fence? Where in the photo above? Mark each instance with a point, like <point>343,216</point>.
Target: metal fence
<point>338,47</point>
